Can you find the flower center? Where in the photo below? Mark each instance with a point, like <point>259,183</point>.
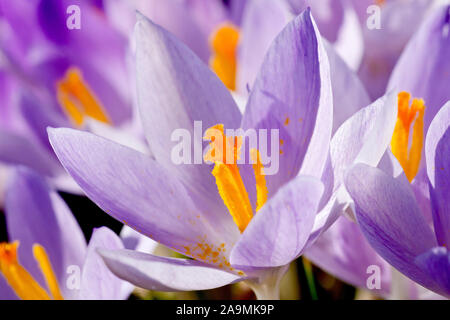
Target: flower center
<point>21,281</point>
<point>77,99</point>
<point>408,154</point>
<point>224,42</point>
<point>224,152</point>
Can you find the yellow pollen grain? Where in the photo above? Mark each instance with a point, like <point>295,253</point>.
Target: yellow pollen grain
<point>223,42</point>
<point>77,99</point>
<point>286,122</point>
<point>20,280</point>
<point>408,155</point>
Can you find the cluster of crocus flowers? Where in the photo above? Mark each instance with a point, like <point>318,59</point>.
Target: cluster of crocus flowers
<point>358,183</point>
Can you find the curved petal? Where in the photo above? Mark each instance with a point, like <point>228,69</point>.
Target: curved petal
<point>165,274</point>
<point>175,89</point>
<point>97,282</point>
<point>389,217</point>
<point>349,94</point>
<point>292,94</point>
<point>138,191</point>
<point>279,231</point>
<point>436,262</point>
<point>437,152</point>
<point>37,215</point>
<point>423,69</point>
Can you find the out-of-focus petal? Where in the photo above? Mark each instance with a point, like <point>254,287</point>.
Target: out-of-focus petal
<point>15,149</point>
<point>165,274</point>
<point>349,43</point>
<point>293,95</point>
<point>37,215</point>
<point>263,20</point>
<point>383,46</point>
<point>344,252</point>
<point>278,232</point>
<point>349,94</point>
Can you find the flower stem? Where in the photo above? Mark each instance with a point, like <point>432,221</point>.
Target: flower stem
<point>267,285</point>
<point>310,278</point>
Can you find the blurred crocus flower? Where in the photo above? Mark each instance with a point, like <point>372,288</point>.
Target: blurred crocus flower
<point>232,39</point>
<point>55,76</point>
<point>210,217</point>
<point>385,36</point>
<point>47,257</point>
<point>392,220</point>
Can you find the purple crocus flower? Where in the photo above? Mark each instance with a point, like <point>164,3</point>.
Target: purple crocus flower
<point>48,257</point>
<point>180,205</point>
<point>392,221</point>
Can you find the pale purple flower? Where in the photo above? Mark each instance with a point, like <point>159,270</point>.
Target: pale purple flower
<point>392,220</point>
<point>179,205</point>
<point>341,251</point>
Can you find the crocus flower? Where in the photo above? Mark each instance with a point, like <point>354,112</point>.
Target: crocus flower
<point>47,257</point>
<point>412,121</point>
<point>54,76</point>
<point>391,219</point>
<point>209,217</point>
